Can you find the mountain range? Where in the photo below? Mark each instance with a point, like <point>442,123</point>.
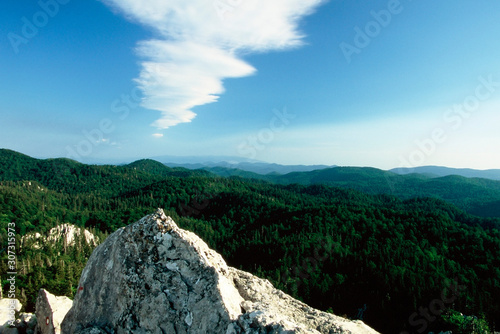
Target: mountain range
<point>478,196</point>
<point>265,168</point>
<point>460,187</point>
<point>340,238</point>
<point>437,171</point>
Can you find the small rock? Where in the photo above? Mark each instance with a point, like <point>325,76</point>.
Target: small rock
<point>50,312</point>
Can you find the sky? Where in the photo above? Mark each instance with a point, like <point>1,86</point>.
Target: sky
<point>398,83</point>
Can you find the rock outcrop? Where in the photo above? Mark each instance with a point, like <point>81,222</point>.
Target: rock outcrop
<point>67,232</point>
<point>50,312</point>
<point>70,233</point>
<point>153,277</point>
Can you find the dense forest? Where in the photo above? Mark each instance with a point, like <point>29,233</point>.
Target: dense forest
<point>411,265</point>
<point>477,196</point>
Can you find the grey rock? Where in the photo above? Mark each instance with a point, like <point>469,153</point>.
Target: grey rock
<point>50,312</point>
<point>10,330</point>
<point>93,330</point>
<point>153,277</point>
<point>67,232</point>
<point>26,323</point>
<point>267,307</point>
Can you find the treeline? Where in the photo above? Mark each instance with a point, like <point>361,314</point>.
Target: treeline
<point>374,257</point>
<point>474,195</point>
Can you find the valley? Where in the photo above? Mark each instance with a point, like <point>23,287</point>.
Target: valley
<point>341,245</point>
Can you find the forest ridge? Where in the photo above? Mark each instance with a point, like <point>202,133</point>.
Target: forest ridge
<point>339,246</point>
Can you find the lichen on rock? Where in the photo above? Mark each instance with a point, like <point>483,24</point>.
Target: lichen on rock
<point>153,277</point>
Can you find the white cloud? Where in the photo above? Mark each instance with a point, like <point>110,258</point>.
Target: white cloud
<point>157,135</point>
<point>199,44</point>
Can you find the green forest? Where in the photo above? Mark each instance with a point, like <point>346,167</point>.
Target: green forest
<point>402,264</point>
<point>477,196</point>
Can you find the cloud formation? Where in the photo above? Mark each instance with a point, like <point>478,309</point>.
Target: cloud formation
<point>199,44</point>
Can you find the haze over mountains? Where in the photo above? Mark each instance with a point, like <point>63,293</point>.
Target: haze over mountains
<point>475,191</point>
<point>259,167</point>
<point>462,187</point>
<point>493,174</point>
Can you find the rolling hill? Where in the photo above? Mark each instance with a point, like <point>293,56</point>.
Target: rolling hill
<point>436,171</point>
<point>475,195</point>
<point>333,247</point>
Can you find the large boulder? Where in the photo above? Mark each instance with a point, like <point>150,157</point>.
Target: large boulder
<point>153,277</point>
<point>50,312</point>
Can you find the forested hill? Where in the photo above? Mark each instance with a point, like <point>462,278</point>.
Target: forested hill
<point>492,174</point>
<point>72,177</point>
<point>375,257</point>
<point>475,195</point>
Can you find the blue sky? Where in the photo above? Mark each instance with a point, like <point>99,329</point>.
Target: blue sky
<point>352,83</point>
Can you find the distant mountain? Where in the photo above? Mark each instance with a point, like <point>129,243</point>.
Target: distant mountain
<point>436,171</point>
<point>206,160</point>
<point>262,168</point>
<point>230,172</point>
<point>478,196</point>
<point>475,195</point>
<point>268,168</point>
<point>157,168</point>
<point>475,191</point>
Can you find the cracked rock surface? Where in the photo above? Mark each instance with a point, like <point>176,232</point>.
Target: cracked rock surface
<point>50,312</point>
<point>153,277</point>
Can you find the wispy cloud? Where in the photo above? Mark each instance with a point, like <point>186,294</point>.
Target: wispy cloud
<point>200,43</point>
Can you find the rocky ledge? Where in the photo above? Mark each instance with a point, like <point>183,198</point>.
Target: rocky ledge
<point>153,277</point>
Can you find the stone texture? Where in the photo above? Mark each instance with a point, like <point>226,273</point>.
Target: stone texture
<point>152,277</point>
<point>67,232</point>
<point>50,312</point>
<point>269,308</point>
<point>70,232</point>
